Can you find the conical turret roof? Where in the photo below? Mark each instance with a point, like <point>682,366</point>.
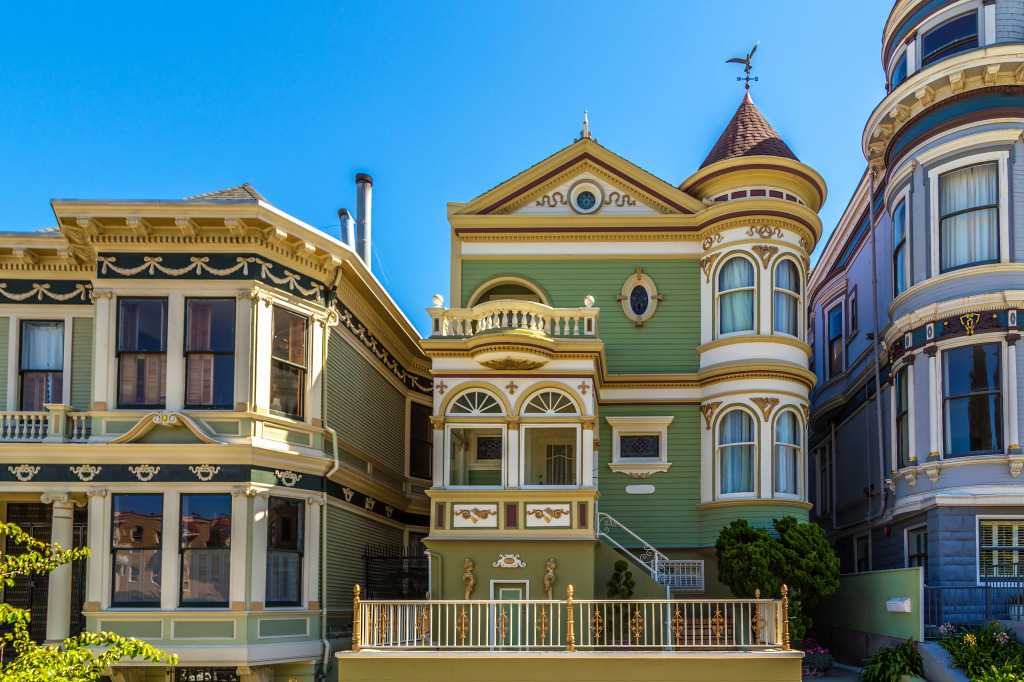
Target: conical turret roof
<point>748,134</point>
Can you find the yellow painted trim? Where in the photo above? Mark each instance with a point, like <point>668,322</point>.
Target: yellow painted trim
<point>498,280</point>
<point>756,338</point>
<point>741,175</point>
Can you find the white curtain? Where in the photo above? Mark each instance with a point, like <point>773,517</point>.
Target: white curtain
<point>970,237</point>
<point>736,445</point>
<point>736,309</point>
<point>787,448</point>
<point>42,346</point>
<point>787,279</point>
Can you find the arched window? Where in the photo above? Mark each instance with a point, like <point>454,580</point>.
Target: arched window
<point>550,440</point>
<point>736,296</point>
<point>786,301</point>
<point>737,451</point>
<point>475,450</point>
<point>787,453</point>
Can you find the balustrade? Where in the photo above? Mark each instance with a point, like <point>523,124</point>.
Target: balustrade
<point>514,315</point>
<point>23,426</point>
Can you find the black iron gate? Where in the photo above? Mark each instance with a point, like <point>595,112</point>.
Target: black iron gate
<point>396,572</point>
<point>30,592</point>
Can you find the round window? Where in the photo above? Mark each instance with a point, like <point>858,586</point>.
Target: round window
<point>639,299</point>
<point>585,200</point>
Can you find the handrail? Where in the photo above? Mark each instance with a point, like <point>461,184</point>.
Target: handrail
<point>672,573</point>
<point>604,524</point>
<point>513,314</point>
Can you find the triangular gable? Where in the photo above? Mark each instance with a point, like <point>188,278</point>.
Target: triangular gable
<point>584,158</point>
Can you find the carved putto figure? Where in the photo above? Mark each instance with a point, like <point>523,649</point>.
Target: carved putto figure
<point>549,577</point>
<point>468,579</point>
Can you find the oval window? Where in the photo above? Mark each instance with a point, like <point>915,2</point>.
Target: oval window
<point>585,200</point>
<point>639,299</point>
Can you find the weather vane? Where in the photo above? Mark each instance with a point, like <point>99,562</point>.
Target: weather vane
<point>746,62</point>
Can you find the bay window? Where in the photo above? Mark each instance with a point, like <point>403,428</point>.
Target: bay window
<point>205,548</point>
<point>899,249</point>
<point>972,400</point>
<point>210,352</point>
<point>737,452</point>
<point>786,298</point>
<point>736,296</point>
<point>951,37</point>
<point>288,364</point>
<point>137,531</point>
<point>285,531</point>
<point>787,453</point>
<point>42,364</point>
<point>142,352</point>
<point>969,216</point>
<point>550,449</point>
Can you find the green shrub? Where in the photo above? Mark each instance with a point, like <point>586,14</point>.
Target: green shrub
<point>891,664</point>
<point>988,654</point>
<point>621,584</point>
<point>817,657</point>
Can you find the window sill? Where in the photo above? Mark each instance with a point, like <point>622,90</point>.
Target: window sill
<point>639,469</point>
<point>743,501</point>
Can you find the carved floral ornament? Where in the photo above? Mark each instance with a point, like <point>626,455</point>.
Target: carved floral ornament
<point>24,472</point>
<point>475,514</point>
<point>708,410</point>
<point>86,472</point>
<point>765,253</point>
<point>766,405</point>
<point>204,472</point>
<point>706,265</point>
<point>144,472</point>
<point>765,232</point>
<point>288,478</point>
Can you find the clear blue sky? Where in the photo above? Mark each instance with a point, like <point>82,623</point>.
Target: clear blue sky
<point>437,101</point>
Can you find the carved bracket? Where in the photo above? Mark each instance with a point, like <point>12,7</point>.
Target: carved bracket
<point>708,410</point>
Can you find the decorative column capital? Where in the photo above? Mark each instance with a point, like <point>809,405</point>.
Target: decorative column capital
<point>930,350</point>
<point>60,499</point>
<point>1012,339</point>
<point>437,423</point>
<point>512,423</point>
<point>96,492</point>
<point>588,423</point>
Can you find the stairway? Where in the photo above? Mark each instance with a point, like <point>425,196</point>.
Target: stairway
<point>677,575</point>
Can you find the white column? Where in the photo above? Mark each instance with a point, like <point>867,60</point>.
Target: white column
<point>243,350</point>
<point>587,456</point>
<point>512,455</point>
<point>105,376</point>
<point>933,402</point>
<point>765,457</point>
<point>239,547</point>
<point>990,22</point>
<point>911,57</point>
<point>258,574</point>
<point>13,332</point>
<point>175,352</point>
<point>318,327</point>
<point>437,423</point>
<point>311,565</point>
<point>58,597</point>
<point>98,542</point>
<point>1011,388</point>
<point>169,546</point>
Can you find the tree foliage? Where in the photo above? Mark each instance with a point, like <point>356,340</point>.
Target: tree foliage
<point>799,557</point>
<point>621,584</point>
<point>81,658</point>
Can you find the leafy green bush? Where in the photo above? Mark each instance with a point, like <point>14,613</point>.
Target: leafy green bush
<point>988,654</point>
<point>892,663</point>
<point>801,558</point>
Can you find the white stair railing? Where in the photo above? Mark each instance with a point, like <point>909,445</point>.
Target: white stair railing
<point>674,574</point>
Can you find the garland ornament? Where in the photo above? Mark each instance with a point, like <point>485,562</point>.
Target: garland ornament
<point>204,472</point>
<point>24,472</point>
<point>40,289</point>
<point>290,478</point>
<point>86,472</point>
<point>144,472</point>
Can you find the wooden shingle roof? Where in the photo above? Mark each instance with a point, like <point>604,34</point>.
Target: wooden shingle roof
<point>748,134</point>
<point>244,192</point>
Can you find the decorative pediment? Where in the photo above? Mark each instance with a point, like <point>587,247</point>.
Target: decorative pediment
<point>163,419</point>
<point>554,186</point>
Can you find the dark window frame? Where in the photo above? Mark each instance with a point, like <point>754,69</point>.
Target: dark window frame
<point>427,444</point>
<point>182,549</point>
<point>22,371</point>
<point>114,603</point>
<point>301,552</point>
<point>187,352</point>
<point>920,558</point>
<point>303,368</point>
<point>119,351</point>
<point>899,279</point>
<point>998,392</point>
<point>902,61</point>
<point>947,49</point>
<point>834,342</point>
<point>902,408</point>
<point>985,207</point>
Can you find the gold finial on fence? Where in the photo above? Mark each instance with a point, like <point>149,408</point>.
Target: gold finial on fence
<point>570,635</point>
<point>355,619</point>
<point>757,594</point>
<point>785,618</point>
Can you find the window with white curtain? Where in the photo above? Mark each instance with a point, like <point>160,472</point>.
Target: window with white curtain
<point>737,451</point>
<point>787,453</point>
<point>969,216</point>
<point>899,249</point>
<point>736,296</point>
<point>42,364</point>
<point>786,299</point>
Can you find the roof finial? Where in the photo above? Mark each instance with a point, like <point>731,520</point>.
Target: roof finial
<point>746,61</point>
<point>585,133</point>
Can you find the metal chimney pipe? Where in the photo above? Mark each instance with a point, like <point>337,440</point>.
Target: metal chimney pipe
<point>364,186</point>
<point>348,228</point>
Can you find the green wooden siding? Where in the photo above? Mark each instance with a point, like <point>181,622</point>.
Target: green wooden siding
<point>668,517</point>
<point>81,362</point>
<point>348,534</point>
<point>5,349</point>
<point>375,425</point>
<point>712,521</point>
<point>667,343</point>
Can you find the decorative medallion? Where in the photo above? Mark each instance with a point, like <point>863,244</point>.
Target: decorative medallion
<point>706,263</point>
<point>204,472</point>
<point>765,253</point>
<point>24,472</point>
<point>970,322</point>
<point>766,405</point>
<point>144,472</point>
<point>639,297</point>
<point>86,472</point>
<point>586,197</point>
<point>716,238</point>
<point>288,478</point>
<point>509,561</point>
<point>708,410</point>
<point>765,232</point>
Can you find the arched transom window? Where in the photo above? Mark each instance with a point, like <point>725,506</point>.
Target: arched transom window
<point>476,403</point>
<point>550,403</point>
<point>475,449</point>
<point>550,446</point>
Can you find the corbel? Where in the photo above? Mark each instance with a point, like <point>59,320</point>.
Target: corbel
<point>956,81</point>
<point>932,470</point>
<point>139,226</point>
<point>236,226</point>
<point>188,227</point>
<point>68,256</point>
<point>991,74</point>
<point>26,256</point>
<point>1016,465</point>
<point>91,227</point>
<point>911,477</point>
<point>304,250</point>
<point>925,95</point>
<point>274,236</point>
<point>900,112</point>
<point>885,130</point>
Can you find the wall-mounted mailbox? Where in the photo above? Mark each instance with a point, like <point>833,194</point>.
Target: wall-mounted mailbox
<point>898,605</point>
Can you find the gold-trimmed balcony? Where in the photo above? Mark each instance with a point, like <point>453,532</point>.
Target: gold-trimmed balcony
<point>513,513</point>
<point>512,334</point>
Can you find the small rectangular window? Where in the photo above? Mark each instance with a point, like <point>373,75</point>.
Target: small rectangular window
<point>285,531</point>
<point>205,549</point>
<point>640,446</point>
<point>42,364</point>
<point>825,480</point>
<point>137,533</point>
<point>917,550</point>
<point>899,249</point>
<point>1001,554</point>
<point>210,352</point>
<point>853,322</point>
<point>959,34</point>
<point>288,364</point>
<point>142,352</point>
<point>862,553</point>
<point>835,341</point>
<point>969,216</point>
<point>421,441</point>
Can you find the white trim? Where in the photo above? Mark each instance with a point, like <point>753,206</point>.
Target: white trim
<point>716,454</point>
<point>577,455</point>
<point>942,17</point>
<point>906,545</point>
<point>903,196</point>
<point>524,583</point>
<point>938,392</point>
<point>801,447</point>
<point>977,537</point>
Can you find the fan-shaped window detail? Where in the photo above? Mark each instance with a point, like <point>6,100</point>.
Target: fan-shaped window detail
<point>550,403</point>
<point>476,403</point>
